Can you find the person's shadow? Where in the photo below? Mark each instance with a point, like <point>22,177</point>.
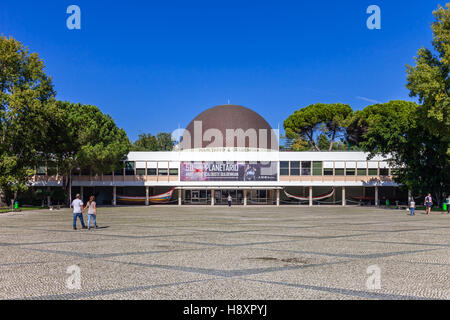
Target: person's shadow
<point>105,227</point>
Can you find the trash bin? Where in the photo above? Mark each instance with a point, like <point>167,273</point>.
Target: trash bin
<point>16,205</point>
<point>387,203</point>
<point>444,207</point>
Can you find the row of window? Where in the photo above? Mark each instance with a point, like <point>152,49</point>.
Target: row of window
<point>314,168</point>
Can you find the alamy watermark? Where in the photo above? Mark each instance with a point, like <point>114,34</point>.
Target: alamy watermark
<point>374,21</point>
<point>73,22</point>
<point>73,282</point>
<point>374,280</point>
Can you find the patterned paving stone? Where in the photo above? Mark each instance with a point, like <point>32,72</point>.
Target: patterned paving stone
<point>221,253</point>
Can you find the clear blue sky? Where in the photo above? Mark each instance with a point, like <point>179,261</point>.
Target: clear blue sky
<point>154,65</point>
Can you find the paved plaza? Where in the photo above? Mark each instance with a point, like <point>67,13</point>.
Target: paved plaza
<point>221,253</point>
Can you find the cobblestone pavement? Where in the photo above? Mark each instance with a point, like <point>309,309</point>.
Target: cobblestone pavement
<point>222,253</point>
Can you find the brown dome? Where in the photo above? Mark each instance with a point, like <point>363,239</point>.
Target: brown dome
<point>229,126</point>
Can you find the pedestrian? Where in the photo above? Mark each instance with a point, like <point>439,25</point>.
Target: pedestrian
<point>428,203</point>
<point>77,206</point>
<point>448,204</point>
<point>230,199</point>
<point>92,212</point>
<point>412,207</point>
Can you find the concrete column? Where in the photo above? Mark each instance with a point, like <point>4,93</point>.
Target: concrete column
<point>49,199</point>
<point>377,201</point>
<point>179,197</point>
<point>245,197</point>
<point>310,196</point>
<point>212,197</point>
<point>114,201</point>
<point>343,197</point>
<point>147,202</point>
<point>81,193</point>
<point>278,197</point>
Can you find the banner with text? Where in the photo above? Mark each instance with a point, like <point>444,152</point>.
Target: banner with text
<point>229,171</point>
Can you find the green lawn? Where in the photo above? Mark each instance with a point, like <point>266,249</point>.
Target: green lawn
<point>8,209</point>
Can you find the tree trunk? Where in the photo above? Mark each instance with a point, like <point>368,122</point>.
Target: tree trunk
<point>332,140</point>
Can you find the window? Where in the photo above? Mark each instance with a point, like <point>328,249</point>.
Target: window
<point>284,168</point>
<point>151,172</point>
<point>129,168</point>
<point>317,168</point>
<point>373,172</point>
<point>295,168</point>
<point>162,172</point>
<point>384,172</point>
<point>362,172</point>
<point>350,172</point>
<point>140,172</point>
<point>41,170</point>
<point>306,168</point>
<point>173,172</point>
<point>328,172</point>
<point>339,171</point>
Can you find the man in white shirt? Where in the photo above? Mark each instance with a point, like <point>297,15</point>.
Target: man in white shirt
<point>77,206</point>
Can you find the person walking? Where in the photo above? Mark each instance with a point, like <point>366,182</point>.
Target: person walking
<point>428,203</point>
<point>448,204</point>
<point>412,207</point>
<point>92,212</point>
<point>77,206</point>
<point>230,199</point>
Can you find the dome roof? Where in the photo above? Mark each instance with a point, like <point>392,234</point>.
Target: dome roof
<point>229,126</point>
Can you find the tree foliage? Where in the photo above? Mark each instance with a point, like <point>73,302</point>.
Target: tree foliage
<point>319,121</point>
<point>429,78</point>
<point>84,137</point>
<point>25,93</point>
<point>396,130</point>
<point>148,142</point>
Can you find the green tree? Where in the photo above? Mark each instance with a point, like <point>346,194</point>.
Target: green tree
<point>84,137</point>
<point>429,78</point>
<point>25,93</point>
<point>147,142</point>
<point>397,131</point>
<point>315,120</point>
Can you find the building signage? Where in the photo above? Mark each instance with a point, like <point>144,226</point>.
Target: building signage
<point>229,171</point>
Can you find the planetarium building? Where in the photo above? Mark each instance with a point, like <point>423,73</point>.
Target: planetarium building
<point>232,150</point>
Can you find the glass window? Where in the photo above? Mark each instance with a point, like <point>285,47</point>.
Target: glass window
<point>41,170</point>
<point>295,168</point>
<point>317,168</point>
<point>284,168</point>
<point>306,168</point>
<point>140,172</point>
<point>151,172</point>
<point>362,172</point>
<point>373,172</point>
<point>129,168</point>
<point>350,172</point>
<point>339,171</point>
<point>173,172</point>
<point>384,171</point>
<point>162,172</point>
<point>328,172</point>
